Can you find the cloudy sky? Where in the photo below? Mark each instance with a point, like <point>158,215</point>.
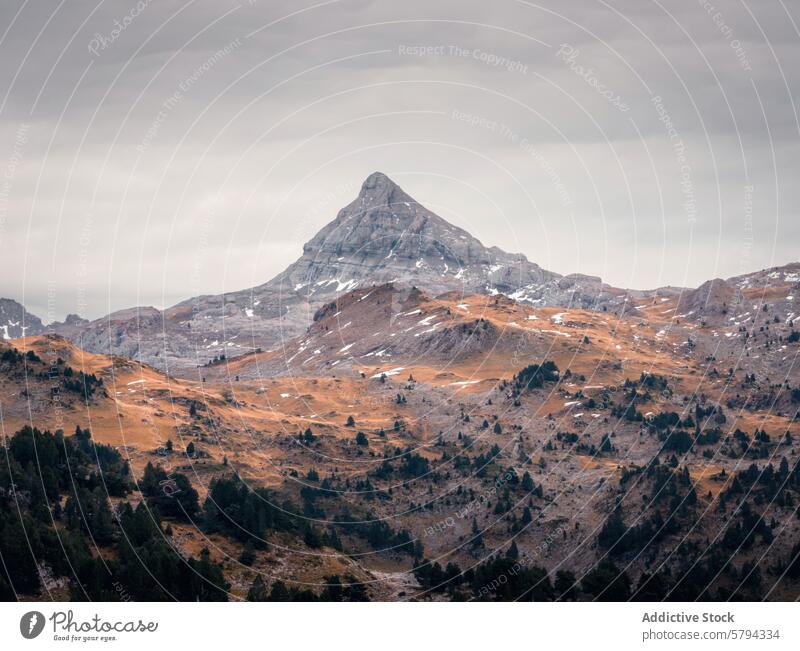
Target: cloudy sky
<point>153,151</point>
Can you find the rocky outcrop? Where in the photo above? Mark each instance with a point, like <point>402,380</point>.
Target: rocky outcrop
<point>16,321</point>
<point>714,298</point>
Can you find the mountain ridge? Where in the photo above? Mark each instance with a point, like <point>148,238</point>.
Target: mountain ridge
<point>382,236</point>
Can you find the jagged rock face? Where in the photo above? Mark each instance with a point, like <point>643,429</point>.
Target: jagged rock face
<point>385,231</point>
<point>386,236</point>
<point>16,321</point>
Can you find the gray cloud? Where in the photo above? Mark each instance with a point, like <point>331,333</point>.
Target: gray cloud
<point>195,150</point>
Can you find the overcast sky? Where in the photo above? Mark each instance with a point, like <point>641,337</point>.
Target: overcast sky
<point>156,151</point>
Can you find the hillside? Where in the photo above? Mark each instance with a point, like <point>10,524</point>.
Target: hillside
<point>639,434</point>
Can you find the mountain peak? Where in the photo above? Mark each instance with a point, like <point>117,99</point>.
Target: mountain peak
<point>384,227</point>
<point>378,190</point>
<point>376,180</point>
<point>384,236</point>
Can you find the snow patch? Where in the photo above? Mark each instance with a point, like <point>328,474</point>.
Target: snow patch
<point>393,371</point>
<point>346,285</point>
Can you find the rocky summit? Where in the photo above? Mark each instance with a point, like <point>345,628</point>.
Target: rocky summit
<point>384,235</point>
